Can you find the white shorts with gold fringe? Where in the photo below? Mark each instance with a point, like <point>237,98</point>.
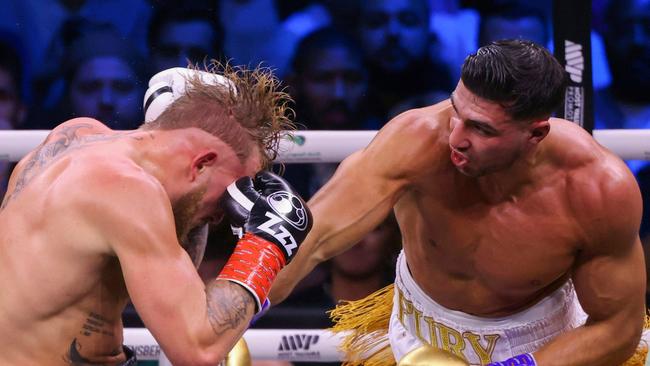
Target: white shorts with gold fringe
<point>399,318</point>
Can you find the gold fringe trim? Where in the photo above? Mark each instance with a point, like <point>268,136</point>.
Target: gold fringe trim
<point>639,357</point>
<point>366,321</point>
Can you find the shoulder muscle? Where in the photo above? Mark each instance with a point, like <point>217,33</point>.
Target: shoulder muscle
<point>125,205</point>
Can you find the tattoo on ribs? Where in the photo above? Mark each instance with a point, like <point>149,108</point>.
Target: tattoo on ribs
<point>228,305</point>
<point>58,143</point>
<point>96,324</point>
<point>74,358</point>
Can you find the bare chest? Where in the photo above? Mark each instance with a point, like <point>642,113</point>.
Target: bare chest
<point>55,271</point>
<point>510,250</point>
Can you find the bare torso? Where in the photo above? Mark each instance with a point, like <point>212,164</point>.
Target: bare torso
<point>67,290</point>
<point>493,257</point>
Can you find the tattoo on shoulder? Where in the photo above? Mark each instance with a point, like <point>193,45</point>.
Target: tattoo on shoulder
<point>56,145</point>
<point>229,305</point>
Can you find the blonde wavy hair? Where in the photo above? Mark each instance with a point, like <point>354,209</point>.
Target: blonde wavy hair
<point>253,109</point>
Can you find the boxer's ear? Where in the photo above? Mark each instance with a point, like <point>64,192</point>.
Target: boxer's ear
<point>201,161</point>
<point>538,131</point>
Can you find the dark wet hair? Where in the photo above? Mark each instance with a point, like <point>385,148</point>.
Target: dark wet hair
<point>523,77</point>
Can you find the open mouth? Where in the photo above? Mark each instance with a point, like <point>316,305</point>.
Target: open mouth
<point>458,159</point>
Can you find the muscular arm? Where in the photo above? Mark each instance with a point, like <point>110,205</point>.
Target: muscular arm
<point>610,282</point>
<point>360,195</point>
<point>193,323</point>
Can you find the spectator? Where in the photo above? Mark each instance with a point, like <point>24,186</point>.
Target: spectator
<point>511,22</point>
<point>179,35</point>
<point>12,108</point>
<point>39,21</point>
<point>329,83</point>
<point>248,26</point>
<point>456,28</point>
<point>281,46</point>
<point>626,104</point>
<point>104,82</point>
<point>396,40</point>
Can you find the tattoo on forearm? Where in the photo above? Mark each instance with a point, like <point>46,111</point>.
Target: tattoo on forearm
<point>229,305</point>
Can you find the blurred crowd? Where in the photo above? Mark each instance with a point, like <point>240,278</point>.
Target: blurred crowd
<point>349,65</point>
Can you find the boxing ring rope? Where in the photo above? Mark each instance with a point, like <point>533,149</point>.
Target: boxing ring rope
<point>334,146</point>
<point>308,345</point>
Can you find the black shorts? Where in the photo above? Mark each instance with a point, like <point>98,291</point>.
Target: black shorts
<point>131,360</point>
<point>77,360</point>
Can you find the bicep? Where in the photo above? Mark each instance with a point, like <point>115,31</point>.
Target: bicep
<point>354,201</point>
<point>357,198</point>
<point>612,286</point>
<point>369,183</point>
<point>610,271</point>
<point>187,320</point>
<point>160,277</point>
<point>361,194</point>
<point>162,282</point>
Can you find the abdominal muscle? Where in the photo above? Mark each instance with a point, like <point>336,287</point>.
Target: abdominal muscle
<point>64,295</point>
<point>491,262</point>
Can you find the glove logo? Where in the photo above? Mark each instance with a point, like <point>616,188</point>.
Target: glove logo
<point>281,234</point>
<point>290,208</point>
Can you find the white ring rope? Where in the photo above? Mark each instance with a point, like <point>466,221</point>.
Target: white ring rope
<point>315,345</point>
<point>308,345</point>
<point>334,146</point>
<point>311,345</point>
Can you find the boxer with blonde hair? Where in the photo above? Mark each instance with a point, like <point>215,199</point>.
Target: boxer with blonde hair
<point>94,218</point>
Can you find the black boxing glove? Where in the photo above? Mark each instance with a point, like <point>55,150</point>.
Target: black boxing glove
<point>269,208</point>
<point>272,221</point>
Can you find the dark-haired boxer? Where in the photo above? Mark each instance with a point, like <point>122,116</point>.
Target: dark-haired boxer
<point>520,232</point>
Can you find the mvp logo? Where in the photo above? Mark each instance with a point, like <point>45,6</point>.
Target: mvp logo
<point>574,60</point>
<point>297,342</point>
